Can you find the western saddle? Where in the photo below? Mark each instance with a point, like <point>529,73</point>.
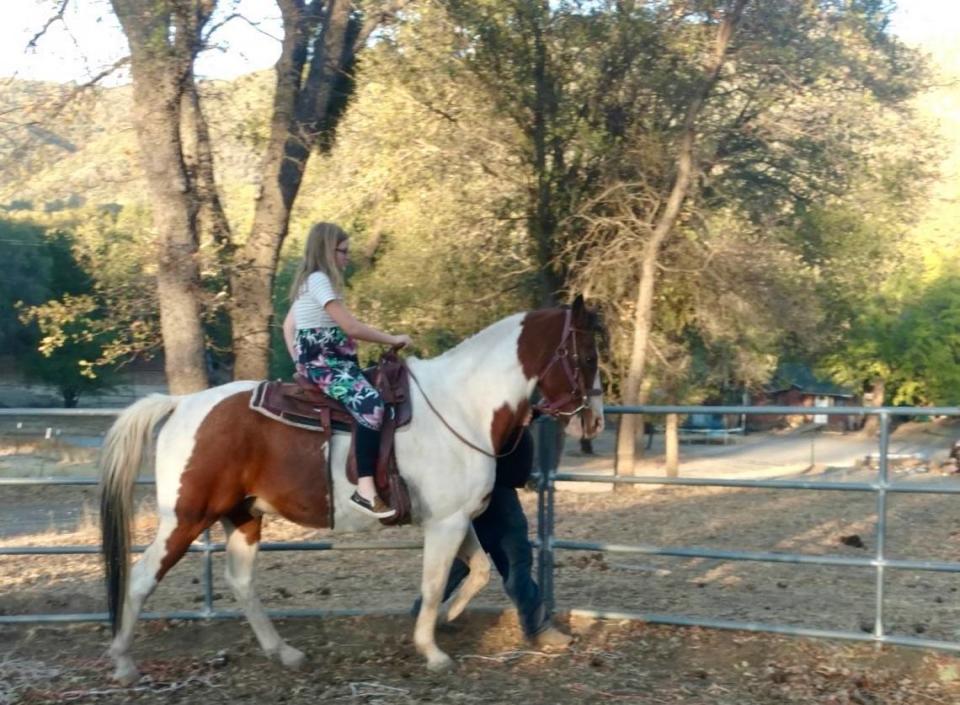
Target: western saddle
<point>303,405</point>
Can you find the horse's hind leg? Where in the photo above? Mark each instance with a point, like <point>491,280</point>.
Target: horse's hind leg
<point>440,544</point>
<point>169,545</point>
<point>471,553</point>
<point>243,542</point>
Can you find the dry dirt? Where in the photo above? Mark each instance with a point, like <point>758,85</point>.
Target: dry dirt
<point>371,659</point>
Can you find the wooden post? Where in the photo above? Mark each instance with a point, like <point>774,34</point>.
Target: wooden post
<point>672,445</point>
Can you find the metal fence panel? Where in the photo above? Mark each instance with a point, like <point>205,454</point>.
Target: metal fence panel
<point>546,435</point>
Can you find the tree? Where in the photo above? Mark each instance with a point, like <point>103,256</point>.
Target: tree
<point>663,226</point>
<point>164,39</point>
<point>904,344</point>
<point>731,161</point>
<point>320,42</point>
<point>432,192</point>
<point>41,266</point>
<point>27,262</point>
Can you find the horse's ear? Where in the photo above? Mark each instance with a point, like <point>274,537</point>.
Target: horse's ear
<point>579,308</point>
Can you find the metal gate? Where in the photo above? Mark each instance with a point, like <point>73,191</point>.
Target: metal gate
<point>881,487</point>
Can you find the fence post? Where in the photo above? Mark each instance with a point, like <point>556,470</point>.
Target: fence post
<point>207,574</point>
<point>548,444</point>
<point>883,484</point>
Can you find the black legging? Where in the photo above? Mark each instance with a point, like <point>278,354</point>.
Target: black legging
<point>368,449</point>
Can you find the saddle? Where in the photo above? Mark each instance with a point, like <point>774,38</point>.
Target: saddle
<point>303,405</point>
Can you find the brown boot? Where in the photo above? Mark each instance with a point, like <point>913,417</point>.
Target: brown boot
<point>551,638</point>
<point>377,508</point>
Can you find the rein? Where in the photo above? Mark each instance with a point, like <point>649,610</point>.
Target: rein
<point>454,431</point>
<point>550,408</point>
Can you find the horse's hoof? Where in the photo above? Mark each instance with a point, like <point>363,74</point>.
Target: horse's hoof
<point>440,663</point>
<point>126,674</point>
<point>291,657</point>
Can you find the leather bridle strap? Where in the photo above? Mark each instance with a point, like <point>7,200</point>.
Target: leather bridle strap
<point>578,391</point>
<point>454,431</point>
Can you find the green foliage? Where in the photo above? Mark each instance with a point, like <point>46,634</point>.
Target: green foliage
<point>423,177</point>
<point>27,259</point>
<point>911,340</point>
<point>488,142</point>
<point>53,340</point>
<point>281,366</point>
<point>810,168</point>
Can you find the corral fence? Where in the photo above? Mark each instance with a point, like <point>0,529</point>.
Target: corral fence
<point>547,544</point>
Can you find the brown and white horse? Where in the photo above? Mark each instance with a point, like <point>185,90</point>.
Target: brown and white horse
<point>217,460</point>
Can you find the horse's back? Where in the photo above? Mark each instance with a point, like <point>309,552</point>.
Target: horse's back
<point>176,440</point>
<point>215,452</point>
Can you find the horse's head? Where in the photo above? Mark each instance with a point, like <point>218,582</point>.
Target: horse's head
<point>558,346</point>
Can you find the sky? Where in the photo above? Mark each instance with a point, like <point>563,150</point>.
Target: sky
<point>89,37</point>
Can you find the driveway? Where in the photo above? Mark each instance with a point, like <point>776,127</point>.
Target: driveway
<point>808,452</point>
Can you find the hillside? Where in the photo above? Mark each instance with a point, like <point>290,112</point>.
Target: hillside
<point>64,148</point>
<point>936,231</point>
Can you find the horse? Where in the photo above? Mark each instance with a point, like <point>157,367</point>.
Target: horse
<point>218,460</point>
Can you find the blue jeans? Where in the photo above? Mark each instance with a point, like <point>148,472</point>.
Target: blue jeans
<point>502,531</point>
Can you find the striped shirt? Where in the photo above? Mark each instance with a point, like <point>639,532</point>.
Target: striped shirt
<point>308,309</point>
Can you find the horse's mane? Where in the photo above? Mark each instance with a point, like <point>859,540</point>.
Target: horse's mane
<point>493,334</point>
<point>490,335</point>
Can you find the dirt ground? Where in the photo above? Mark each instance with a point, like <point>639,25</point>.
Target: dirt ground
<point>372,660</point>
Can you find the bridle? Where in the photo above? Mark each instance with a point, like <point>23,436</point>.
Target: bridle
<point>549,407</point>
<point>567,356</point>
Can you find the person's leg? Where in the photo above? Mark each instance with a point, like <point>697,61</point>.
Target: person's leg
<point>502,531</point>
<point>368,450</point>
<point>343,381</point>
<point>358,397</point>
<point>366,498</point>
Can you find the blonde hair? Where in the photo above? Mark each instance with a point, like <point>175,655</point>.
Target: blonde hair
<point>319,255</point>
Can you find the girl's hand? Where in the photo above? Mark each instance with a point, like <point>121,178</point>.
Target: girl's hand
<point>402,341</point>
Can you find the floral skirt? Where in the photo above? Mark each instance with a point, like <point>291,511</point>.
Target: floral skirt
<point>329,358</point>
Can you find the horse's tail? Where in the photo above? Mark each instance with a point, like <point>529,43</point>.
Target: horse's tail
<point>123,450</point>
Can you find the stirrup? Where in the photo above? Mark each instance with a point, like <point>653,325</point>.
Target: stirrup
<point>377,508</point>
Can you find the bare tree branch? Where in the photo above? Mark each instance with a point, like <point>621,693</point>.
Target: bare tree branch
<point>384,14</point>
<point>32,44</point>
<point>237,16</point>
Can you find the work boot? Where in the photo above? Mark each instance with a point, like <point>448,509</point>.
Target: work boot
<point>551,638</point>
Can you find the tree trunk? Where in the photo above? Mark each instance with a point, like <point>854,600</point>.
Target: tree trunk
<point>664,223</point>
<point>212,223</point>
<point>643,311</point>
<point>543,223</point>
<point>871,425</point>
<point>174,216</point>
<point>161,65</point>
<point>301,110</point>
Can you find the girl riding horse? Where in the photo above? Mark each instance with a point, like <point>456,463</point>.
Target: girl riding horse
<point>218,460</point>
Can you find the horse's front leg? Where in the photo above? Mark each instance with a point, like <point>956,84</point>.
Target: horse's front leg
<point>471,553</point>
<point>441,540</point>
